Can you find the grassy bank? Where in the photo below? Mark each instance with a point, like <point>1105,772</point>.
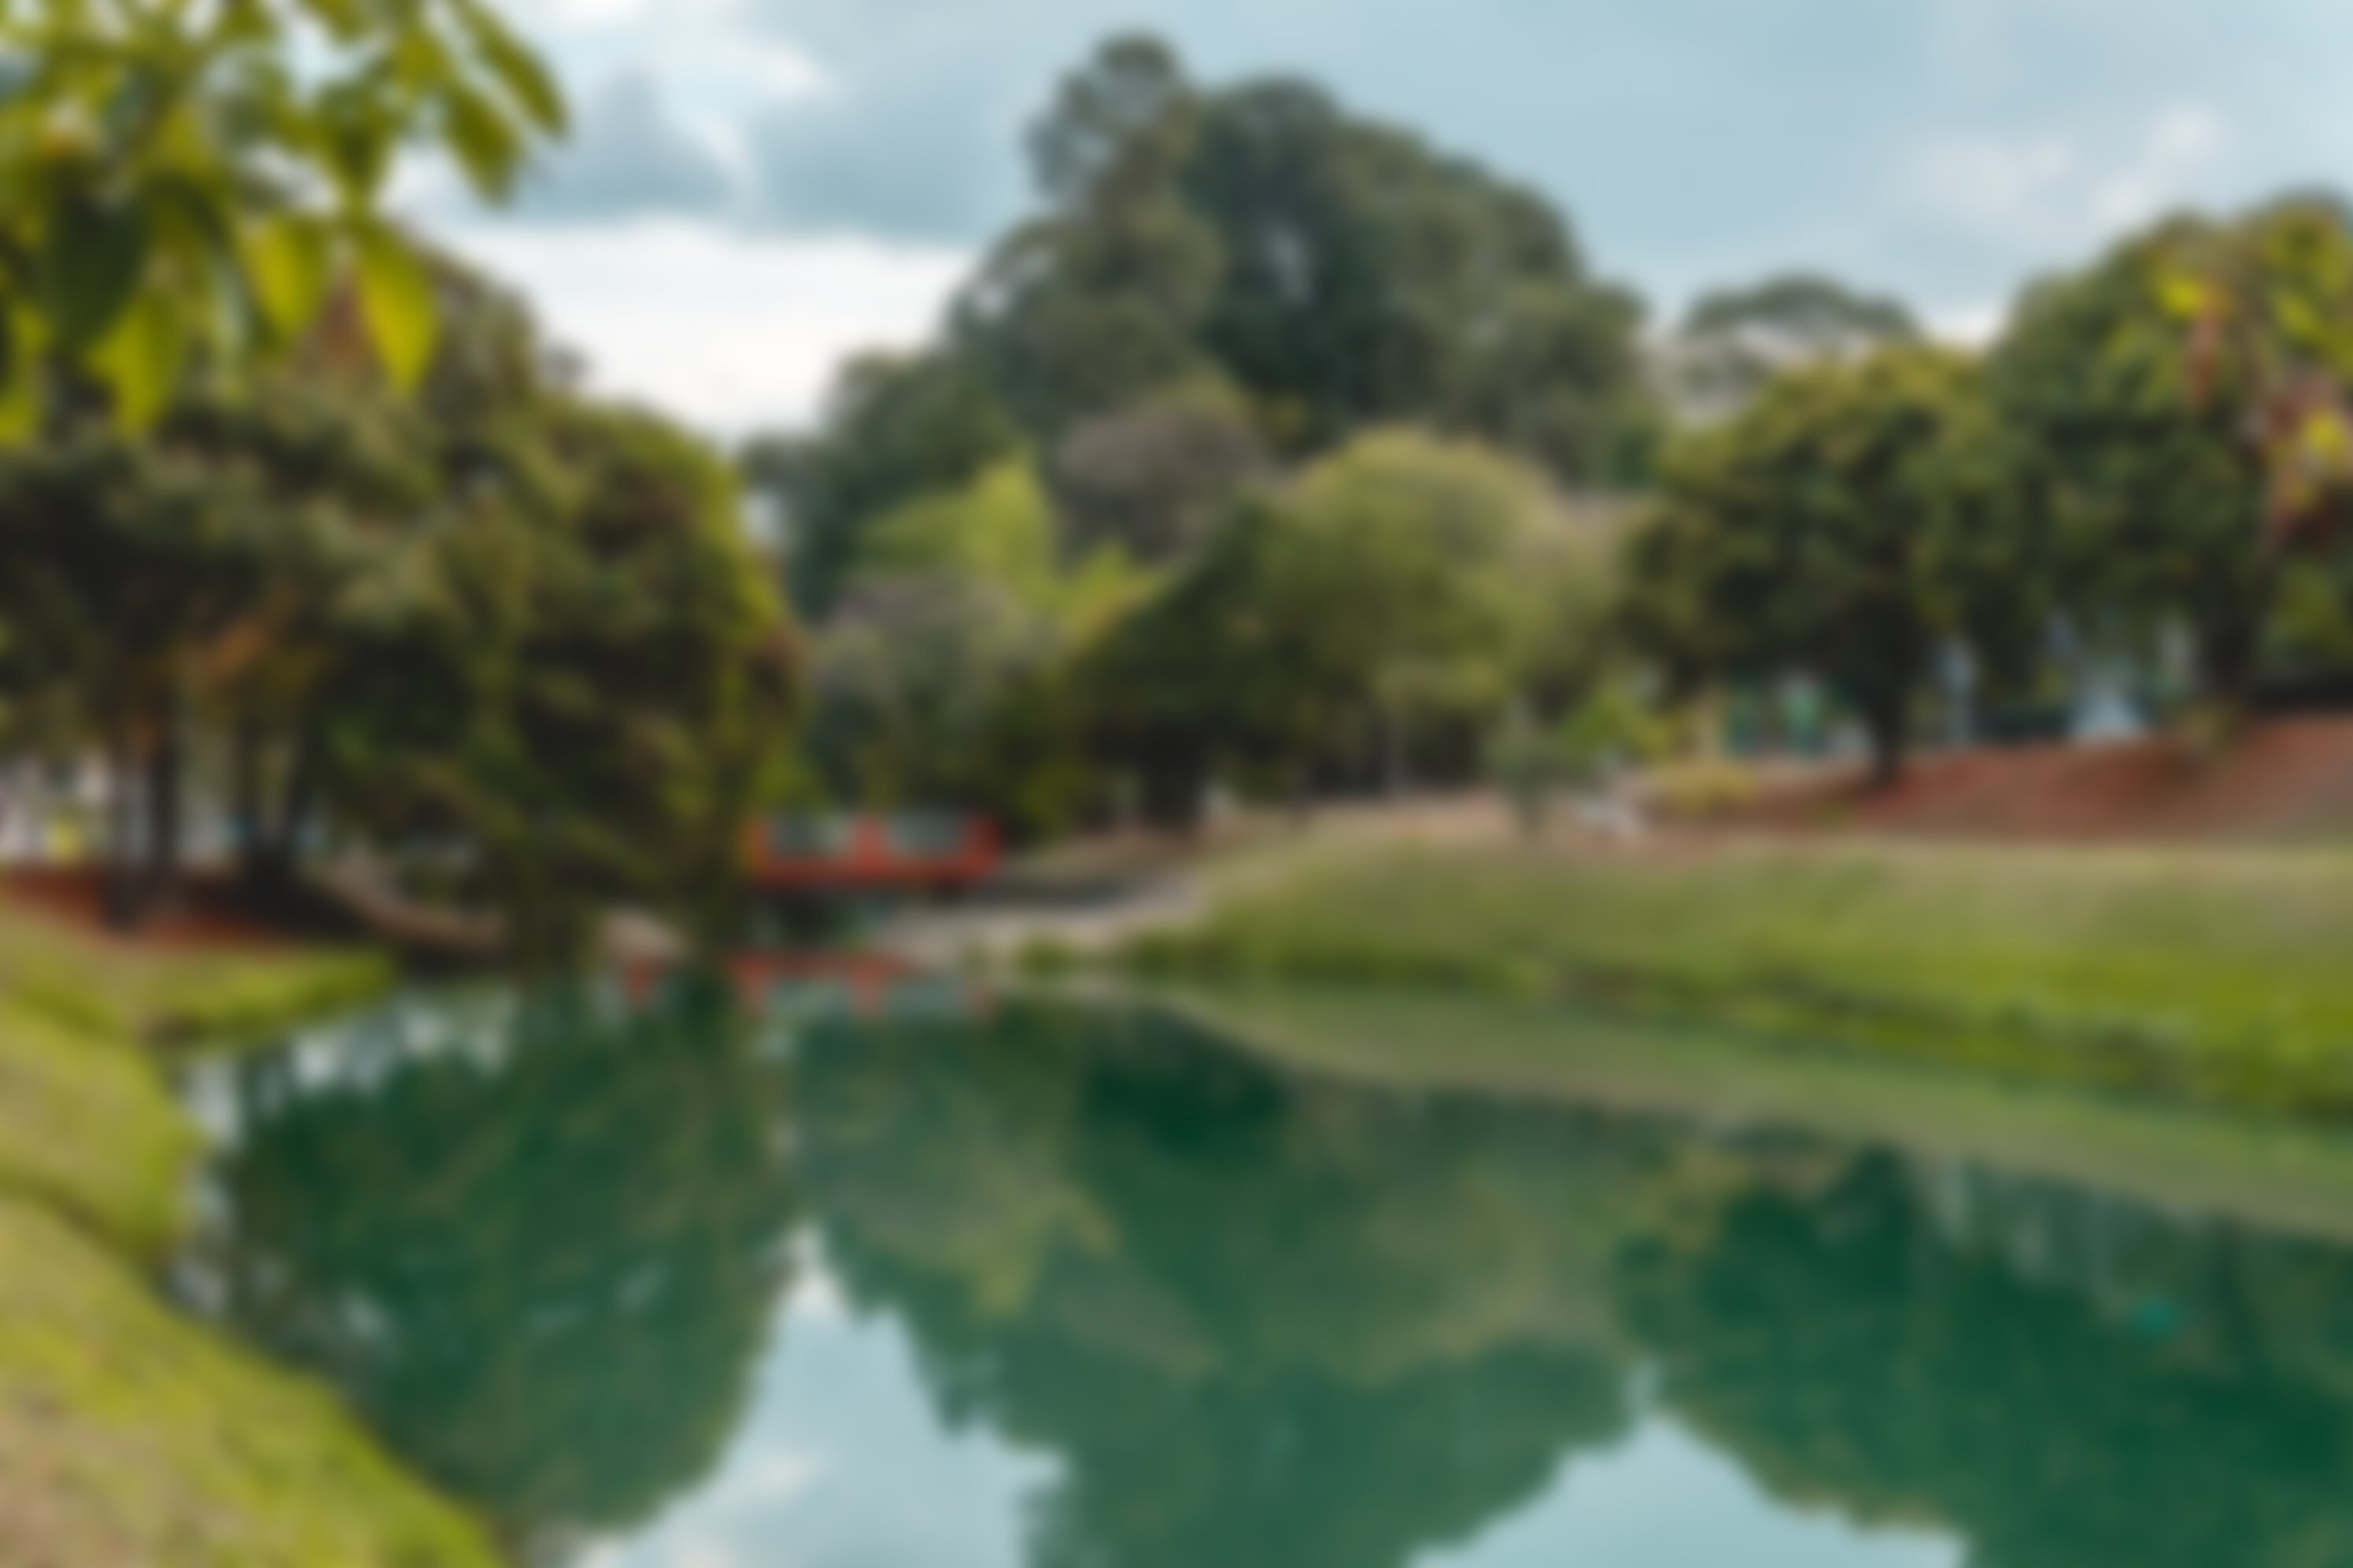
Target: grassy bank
<point>129,1434</point>
<point>2218,976</point>
<point>2282,1177</point>
<point>113,988</point>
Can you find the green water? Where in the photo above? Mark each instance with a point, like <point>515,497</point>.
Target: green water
<point>664,1286</point>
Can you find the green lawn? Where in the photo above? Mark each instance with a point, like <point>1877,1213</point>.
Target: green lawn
<point>130,1434</point>
<point>2220,975</point>
<point>109,987</point>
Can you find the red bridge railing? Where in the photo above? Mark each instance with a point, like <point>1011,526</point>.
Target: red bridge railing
<point>853,850</point>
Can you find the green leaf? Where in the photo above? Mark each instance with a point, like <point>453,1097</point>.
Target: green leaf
<point>2184,294</point>
<point>140,359</point>
<point>20,385</point>
<point>396,298</point>
<point>288,260</point>
<point>92,262</point>
<point>484,143</point>
<point>516,68</point>
<point>343,19</point>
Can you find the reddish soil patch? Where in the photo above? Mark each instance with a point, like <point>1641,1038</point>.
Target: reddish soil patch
<point>2283,779</point>
<point>204,918</point>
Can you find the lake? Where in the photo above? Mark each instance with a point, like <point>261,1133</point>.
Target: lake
<point>667,1283</point>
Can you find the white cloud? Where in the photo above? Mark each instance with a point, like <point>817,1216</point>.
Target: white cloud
<point>2183,145</point>
<point>1995,185</point>
<point>2045,192</point>
<point>728,331</point>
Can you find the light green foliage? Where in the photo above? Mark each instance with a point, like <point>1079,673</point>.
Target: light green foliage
<point>98,987</point>
<point>179,180</point>
<point>894,430</point>
<point>2268,302</point>
<point>128,1435</point>
<point>942,676</point>
<point>1391,600</point>
<point>87,1129</point>
<point>2209,975</point>
<point>1407,563</point>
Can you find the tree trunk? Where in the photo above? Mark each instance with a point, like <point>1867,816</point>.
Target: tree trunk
<point>246,799</point>
<point>1395,767</point>
<point>120,887</point>
<point>161,880</point>
<point>277,853</point>
<point>1884,723</point>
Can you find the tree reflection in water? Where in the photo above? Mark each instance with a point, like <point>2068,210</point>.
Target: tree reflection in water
<point>542,1260</point>
<point>1258,1322</point>
<point>1258,1319</point>
<point>2059,1379</point>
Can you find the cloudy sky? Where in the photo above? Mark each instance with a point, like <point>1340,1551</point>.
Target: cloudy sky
<point>756,186</point>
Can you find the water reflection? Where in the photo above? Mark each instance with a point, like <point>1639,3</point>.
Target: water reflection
<point>537,1246</point>
<point>1205,1313</point>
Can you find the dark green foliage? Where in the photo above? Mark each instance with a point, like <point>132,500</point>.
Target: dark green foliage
<point>1843,526</point>
<point>1336,270</point>
<point>1734,340</point>
<point>1369,280</point>
<point>496,633</point>
<point>1242,1312</point>
<point>543,1275</point>
<point>2150,496</point>
<point>2181,406</point>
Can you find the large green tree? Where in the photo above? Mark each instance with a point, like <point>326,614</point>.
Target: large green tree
<point>1338,270</point>
<point>1732,341</point>
<point>2180,406</point>
<point>1841,528</point>
<point>1385,606</point>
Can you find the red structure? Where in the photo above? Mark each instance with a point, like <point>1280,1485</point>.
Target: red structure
<point>906,851</point>
<point>837,984</point>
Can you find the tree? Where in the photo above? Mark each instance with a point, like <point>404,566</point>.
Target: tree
<point>2181,407</point>
<point>1370,279</point>
<point>1733,341</point>
<point>1337,271</point>
<point>585,693</point>
<point>189,181</point>
<point>895,428</point>
<point>513,640</point>
<point>1153,478</point>
<point>1101,299</point>
<point>941,675</point>
<point>1823,530</point>
<point>1389,596</point>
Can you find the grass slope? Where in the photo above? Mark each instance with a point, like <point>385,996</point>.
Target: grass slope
<point>2224,976</point>
<point>130,1434</point>
<point>115,988</point>
<point>87,1129</point>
